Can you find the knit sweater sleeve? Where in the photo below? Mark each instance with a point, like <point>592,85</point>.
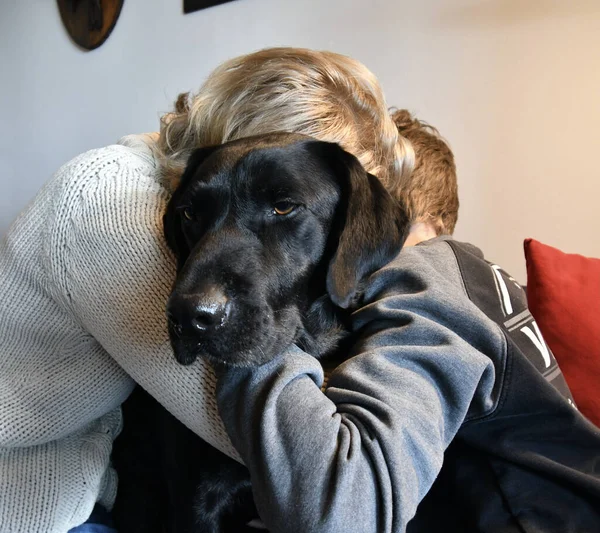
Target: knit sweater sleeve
<point>84,277</point>
<point>117,273</point>
<point>361,456</point>
<point>55,378</point>
<point>59,389</point>
<point>85,274</point>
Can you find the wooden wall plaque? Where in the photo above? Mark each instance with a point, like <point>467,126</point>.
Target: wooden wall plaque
<point>89,22</point>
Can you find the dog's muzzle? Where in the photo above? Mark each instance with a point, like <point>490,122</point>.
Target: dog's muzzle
<point>198,316</point>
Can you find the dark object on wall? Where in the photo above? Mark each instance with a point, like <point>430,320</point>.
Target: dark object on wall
<point>89,22</point>
<point>195,5</point>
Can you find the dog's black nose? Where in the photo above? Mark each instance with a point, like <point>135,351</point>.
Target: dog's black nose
<point>199,313</point>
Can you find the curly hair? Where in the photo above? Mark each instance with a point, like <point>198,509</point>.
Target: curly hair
<point>430,194</point>
<point>322,94</point>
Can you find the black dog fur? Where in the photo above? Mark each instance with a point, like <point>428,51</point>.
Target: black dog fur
<point>274,237</point>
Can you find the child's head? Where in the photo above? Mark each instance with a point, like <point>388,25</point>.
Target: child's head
<point>430,193</point>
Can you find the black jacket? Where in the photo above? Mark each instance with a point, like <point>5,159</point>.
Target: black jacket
<point>532,464</point>
<point>451,416</point>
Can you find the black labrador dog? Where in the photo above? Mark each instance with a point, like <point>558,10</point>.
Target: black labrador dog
<point>274,237</point>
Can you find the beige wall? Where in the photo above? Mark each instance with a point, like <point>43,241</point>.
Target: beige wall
<point>513,84</point>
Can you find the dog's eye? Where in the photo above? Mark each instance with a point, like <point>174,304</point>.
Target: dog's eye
<point>283,208</point>
<point>188,213</point>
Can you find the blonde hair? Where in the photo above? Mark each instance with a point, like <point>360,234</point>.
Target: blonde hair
<point>326,95</point>
<point>431,193</point>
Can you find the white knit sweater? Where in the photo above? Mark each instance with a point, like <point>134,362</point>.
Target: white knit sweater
<point>84,277</point>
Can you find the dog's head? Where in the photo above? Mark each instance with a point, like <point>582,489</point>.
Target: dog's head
<point>263,228</point>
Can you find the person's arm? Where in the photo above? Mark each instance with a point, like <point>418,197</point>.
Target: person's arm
<point>59,389</point>
<point>361,456</point>
<point>118,273</point>
<point>55,378</point>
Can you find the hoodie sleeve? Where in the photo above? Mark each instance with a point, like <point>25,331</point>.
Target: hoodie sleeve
<point>360,456</point>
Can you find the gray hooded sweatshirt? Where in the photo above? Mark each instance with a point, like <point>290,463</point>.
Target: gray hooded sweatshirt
<point>446,363</point>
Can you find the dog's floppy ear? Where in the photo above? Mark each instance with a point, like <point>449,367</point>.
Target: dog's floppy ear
<point>373,226</point>
<point>172,217</point>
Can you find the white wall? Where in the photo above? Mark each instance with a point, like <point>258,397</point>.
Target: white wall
<point>513,84</point>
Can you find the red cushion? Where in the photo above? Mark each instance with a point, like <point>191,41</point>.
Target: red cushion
<point>563,292</point>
